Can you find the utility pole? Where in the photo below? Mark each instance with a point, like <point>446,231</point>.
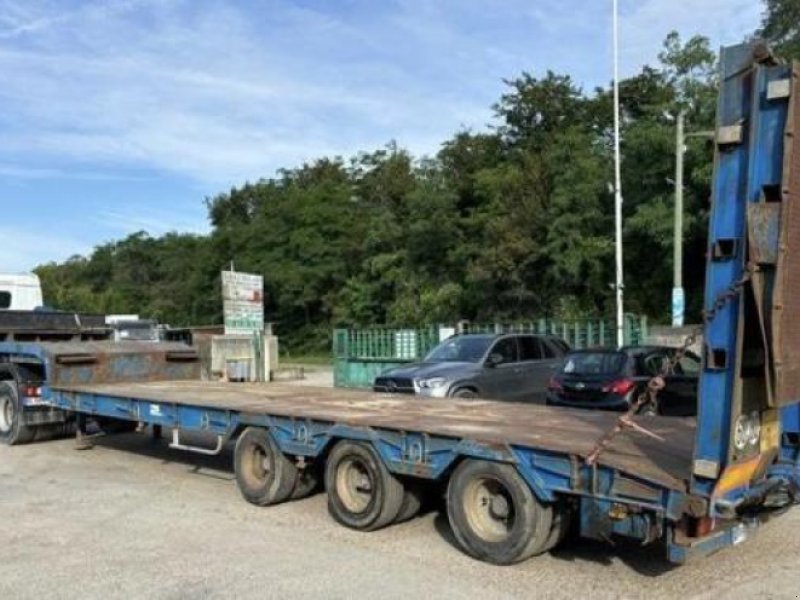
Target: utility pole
<point>618,187</point>
<point>678,294</point>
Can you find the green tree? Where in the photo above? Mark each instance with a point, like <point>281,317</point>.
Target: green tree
<point>781,26</point>
<point>512,223</point>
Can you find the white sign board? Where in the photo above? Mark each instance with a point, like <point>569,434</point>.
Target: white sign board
<point>242,302</point>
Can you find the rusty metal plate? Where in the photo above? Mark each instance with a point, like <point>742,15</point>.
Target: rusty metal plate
<point>572,432</point>
<point>81,363</point>
<point>786,295</point>
<point>763,225</point>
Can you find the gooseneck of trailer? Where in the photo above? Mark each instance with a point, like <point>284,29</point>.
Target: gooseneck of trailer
<point>518,477</point>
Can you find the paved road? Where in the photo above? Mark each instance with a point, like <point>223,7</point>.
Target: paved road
<point>132,519</point>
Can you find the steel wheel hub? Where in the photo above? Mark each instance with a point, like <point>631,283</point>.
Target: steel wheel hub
<point>489,509</point>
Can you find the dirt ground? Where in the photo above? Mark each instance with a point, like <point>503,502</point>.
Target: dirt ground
<point>133,519</point>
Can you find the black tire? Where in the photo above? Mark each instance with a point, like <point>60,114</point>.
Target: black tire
<point>494,515</point>
<point>412,502</point>
<point>308,482</point>
<point>465,393</point>
<point>55,431</point>
<point>362,493</point>
<point>562,521</point>
<point>264,475</point>
<point>12,430</point>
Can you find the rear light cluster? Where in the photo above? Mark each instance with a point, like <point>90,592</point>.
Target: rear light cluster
<point>620,387</point>
<point>555,385</point>
<point>31,391</point>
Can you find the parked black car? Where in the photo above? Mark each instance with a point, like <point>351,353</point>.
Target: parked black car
<point>502,367</point>
<point>612,379</point>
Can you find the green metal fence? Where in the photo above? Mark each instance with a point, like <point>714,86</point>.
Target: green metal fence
<point>359,355</point>
<point>578,334</point>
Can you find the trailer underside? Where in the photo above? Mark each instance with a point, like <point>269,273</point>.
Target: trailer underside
<point>558,430</point>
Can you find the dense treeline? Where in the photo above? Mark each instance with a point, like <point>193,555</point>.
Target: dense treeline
<point>514,222</point>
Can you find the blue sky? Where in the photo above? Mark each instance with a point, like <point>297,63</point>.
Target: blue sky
<point>122,116</point>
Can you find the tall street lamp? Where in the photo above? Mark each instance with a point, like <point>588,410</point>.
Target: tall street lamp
<point>618,188</point>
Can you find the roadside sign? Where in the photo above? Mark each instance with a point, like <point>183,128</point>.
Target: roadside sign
<point>678,306</point>
<point>242,302</point>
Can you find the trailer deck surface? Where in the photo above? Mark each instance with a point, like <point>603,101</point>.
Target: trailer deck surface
<point>548,428</point>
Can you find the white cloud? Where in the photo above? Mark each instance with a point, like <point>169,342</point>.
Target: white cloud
<point>25,172</point>
<point>156,222</point>
<point>644,25</point>
<point>220,93</point>
<point>164,98</point>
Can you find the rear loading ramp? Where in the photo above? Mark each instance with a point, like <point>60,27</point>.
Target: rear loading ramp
<point>496,424</point>
<point>751,375</point>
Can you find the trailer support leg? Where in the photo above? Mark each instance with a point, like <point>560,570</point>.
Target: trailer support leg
<point>83,441</point>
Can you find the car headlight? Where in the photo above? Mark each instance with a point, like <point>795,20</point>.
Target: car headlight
<point>747,431</point>
<point>432,383</point>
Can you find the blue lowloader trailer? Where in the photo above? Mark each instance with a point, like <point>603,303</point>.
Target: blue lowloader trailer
<point>517,476</point>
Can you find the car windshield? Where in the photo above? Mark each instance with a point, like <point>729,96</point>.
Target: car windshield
<point>460,349</point>
<point>593,363</point>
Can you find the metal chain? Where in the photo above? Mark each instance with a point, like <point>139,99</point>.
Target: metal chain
<point>649,396</point>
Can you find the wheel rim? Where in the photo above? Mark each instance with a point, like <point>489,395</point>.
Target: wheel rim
<point>258,464</point>
<point>354,485</point>
<point>6,414</point>
<point>489,508</point>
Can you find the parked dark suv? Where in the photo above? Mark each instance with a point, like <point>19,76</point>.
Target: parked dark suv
<point>612,379</point>
<point>504,367</point>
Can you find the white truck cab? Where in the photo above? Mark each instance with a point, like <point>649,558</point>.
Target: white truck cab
<point>20,292</point>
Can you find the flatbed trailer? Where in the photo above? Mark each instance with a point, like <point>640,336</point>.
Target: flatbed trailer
<point>407,442</point>
<point>48,325</point>
<point>517,476</point>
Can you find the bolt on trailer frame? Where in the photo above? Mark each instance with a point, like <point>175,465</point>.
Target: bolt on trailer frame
<point>698,489</point>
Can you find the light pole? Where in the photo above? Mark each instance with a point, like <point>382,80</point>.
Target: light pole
<point>678,293</point>
<point>618,187</point>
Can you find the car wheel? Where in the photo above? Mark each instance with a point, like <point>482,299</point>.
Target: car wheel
<point>465,393</point>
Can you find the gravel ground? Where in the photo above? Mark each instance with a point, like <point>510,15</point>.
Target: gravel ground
<point>132,519</point>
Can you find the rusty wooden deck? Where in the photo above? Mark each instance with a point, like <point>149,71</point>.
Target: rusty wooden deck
<point>556,429</point>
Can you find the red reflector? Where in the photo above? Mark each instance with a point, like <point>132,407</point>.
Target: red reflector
<point>555,385</point>
<point>620,387</point>
<point>32,391</point>
<point>704,526</point>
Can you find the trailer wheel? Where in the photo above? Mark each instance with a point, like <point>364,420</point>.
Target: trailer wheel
<point>12,430</point>
<point>494,514</point>
<point>562,520</point>
<point>263,474</point>
<point>308,482</point>
<point>362,493</point>
<point>412,502</point>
